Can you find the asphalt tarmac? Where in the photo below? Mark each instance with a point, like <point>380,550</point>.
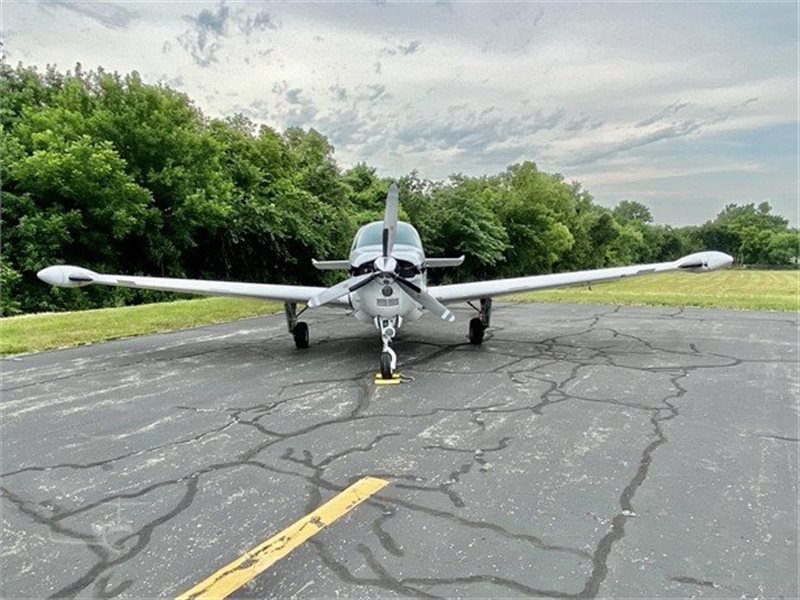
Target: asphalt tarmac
<point>581,451</point>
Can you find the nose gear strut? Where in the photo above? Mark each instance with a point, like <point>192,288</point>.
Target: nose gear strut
<point>388,329</point>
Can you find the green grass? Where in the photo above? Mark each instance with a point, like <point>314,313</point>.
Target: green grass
<point>45,331</point>
<point>731,288</point>
<point>743,289</point>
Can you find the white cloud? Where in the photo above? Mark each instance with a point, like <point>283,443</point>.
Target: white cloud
<point>599,91</point>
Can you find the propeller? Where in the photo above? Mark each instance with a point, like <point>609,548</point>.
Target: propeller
<point>340,289</point>
<point>390,220</point>
<point>426,300</point>
<point>385,266</point>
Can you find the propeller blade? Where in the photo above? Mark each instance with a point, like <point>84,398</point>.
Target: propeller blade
<point>390,220</point>
<point>340,289</point>
<point>426,300</point>
<point>359,284</point>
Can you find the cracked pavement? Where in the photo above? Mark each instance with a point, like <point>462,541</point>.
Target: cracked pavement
<point>582,451</point>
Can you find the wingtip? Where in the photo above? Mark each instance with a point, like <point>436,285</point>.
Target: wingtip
<point>67,276</point>
<point>709,260</point>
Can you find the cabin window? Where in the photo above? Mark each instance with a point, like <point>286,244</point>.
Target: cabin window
<point>372,235</point>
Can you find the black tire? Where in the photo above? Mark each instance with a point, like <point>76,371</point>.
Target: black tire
<point>476,330</point>
<point>386,365</point>
<point>301,335</point>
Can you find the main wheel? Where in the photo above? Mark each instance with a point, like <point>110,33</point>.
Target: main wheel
<point>386,365</point>
<point>301,335</point>
<point>476,330</point>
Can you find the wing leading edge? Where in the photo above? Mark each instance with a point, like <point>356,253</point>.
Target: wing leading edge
<point>699,262</point>
<point>69,276</point>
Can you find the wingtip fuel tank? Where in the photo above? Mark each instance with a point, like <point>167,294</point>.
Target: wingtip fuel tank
<point>705,261</point>
<point>67,276</point>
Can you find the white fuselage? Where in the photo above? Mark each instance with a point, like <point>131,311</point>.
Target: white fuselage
<point>374,299</point>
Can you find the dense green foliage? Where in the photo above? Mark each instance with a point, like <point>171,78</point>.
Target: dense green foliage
<point>107,172</point>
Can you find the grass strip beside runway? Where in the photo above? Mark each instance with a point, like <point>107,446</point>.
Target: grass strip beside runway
<point>46,331</point>
<point>730,288</point>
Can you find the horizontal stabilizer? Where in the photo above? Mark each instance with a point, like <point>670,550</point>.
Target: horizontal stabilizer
<point>330,265</point>
<point>435,263</point>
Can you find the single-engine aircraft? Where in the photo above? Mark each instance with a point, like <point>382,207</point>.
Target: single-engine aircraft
<point>387,284</point>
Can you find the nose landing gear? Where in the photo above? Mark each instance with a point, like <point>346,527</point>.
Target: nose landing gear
<point>388,359</point>
<point>388,329</point>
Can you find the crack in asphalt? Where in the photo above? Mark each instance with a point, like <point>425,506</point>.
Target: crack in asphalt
<point>551,351</point>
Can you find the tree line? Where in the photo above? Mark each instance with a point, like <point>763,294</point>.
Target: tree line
<point>107,172</point>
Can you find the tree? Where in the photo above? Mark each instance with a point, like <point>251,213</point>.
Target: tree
<point>630,210</point>
<point>104,170</point>
<point>466,225</point>
<point>783,248</point>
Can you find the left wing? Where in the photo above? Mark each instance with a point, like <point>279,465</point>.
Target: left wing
<point>698,262</point>
<point>69,276</point>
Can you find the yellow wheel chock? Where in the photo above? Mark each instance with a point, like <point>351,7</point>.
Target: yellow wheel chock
<point>379,380</point>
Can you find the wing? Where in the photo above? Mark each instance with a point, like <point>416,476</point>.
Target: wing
<point>699,262</point>
<point>69,276</point>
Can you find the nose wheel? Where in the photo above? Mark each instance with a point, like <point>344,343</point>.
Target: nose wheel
<point>388,329</point>
<point>386,365</point>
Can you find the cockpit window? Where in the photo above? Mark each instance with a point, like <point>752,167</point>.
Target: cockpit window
<point>372,235</point>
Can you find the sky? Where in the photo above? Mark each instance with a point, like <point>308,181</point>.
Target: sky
<point>685,107</point>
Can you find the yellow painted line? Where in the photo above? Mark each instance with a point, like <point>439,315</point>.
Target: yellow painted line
<point>234,575</point>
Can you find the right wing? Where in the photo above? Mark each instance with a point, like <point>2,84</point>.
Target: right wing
<point>69,276</point>
<point>698,262</point>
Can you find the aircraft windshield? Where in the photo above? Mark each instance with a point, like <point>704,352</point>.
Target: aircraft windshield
<point>372,235</point>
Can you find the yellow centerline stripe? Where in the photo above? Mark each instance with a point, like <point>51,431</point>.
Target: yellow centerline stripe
<point>234,575</point>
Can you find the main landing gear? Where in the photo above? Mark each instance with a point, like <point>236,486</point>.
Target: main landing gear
<point>476,330</point>
<point>479,324</point>
<point>388,329</point>
<point>299,329</point>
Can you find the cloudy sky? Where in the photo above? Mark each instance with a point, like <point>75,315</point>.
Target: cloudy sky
<point>685,107</point>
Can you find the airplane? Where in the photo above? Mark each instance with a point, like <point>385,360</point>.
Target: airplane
<point>387,285</point>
